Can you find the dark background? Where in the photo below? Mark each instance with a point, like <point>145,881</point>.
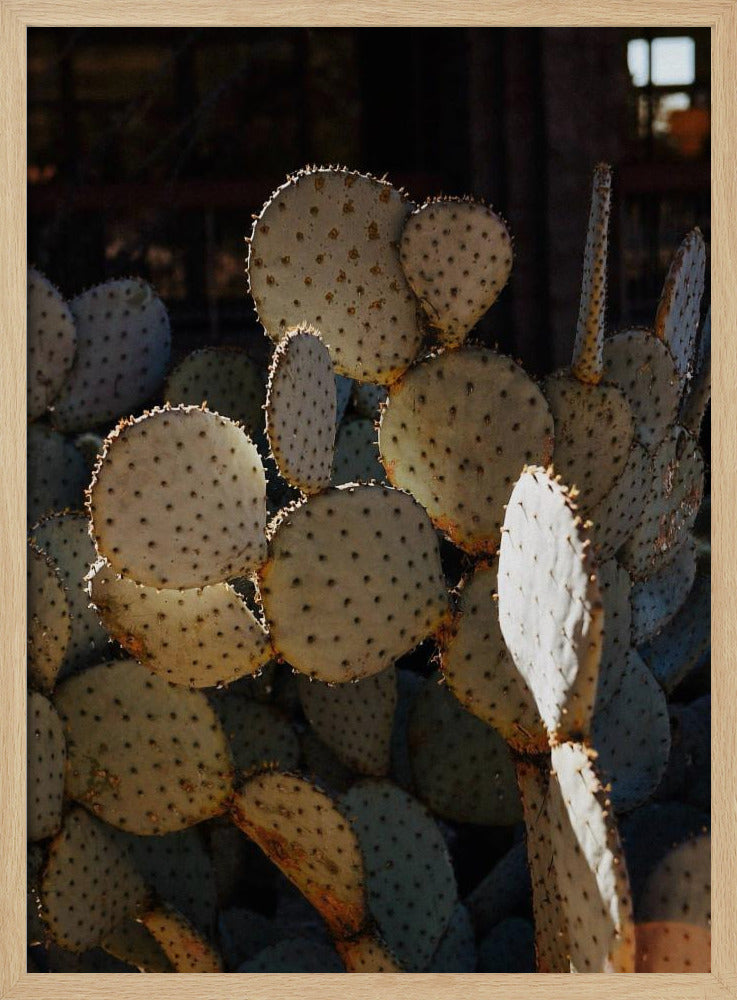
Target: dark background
<point>149,149</point>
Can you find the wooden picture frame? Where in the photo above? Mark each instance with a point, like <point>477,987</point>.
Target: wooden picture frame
<point>15,17</point>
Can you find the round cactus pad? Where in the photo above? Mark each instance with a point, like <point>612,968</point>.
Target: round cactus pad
<point>456,433</point>
<point>616,588</point>
<point>225,380</point>
<point>257,734</point>
<point>301,406</point>
<point>324,252</point>
<point>196,637</point>
<point>57,473</point>
<point>457,255</point>
<point>48,627</point>
<point>656,600</point>
<point>643,368</point>
<point>46,756</point>
<point>617,515</point>
<point>123,347</point>
<point>304,832</point>
<point>401,845</point>
<point>51,340</point>
<point>179,499</point>
<point>679,309</point>
<point>371,556</point>
<point>354,720</point>
<point>356,458</point>
<point>366,953</point>
<point>685,641</point>
<point>144,755</point>
<point>182,943</point>
<point>550,608</point>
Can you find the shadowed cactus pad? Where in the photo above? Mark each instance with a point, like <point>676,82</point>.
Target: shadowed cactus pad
<point>48,626</point>
<point>356,458</point>
<point>656,600</point>
<point>257,734</point>
<point>550,609</point>
<point>301,408</point>
<point>685,641</point>
<point>225,380</point>
<point>196,637</point>
<point>353,580</point>
<point>52,343</point>
<point>457,255</point>
<point>617,515</point>
<point>46,756</point>
<point>179,499</point>
<point>144,755</point>
<point>677,319</point>
<point>456,433</point>
<point>185,947</point>
<point>57,473</point>
<point>123,347</point>
<point>324,252</point>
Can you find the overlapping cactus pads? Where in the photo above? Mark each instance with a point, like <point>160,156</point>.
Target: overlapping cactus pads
<point>375,655</point>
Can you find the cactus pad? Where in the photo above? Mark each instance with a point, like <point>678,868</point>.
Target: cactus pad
<point>656,600</point>
<point>480,672</point>
<point>46,755</point>
<point>324,251</point>
<point>366,953</point>
<point>643,368</point>
<point>302,830</point>
<point>257,734</point>
<point>52,342</point>
<point>381,587</point>
<point>294,955</point>
<point>457,949</point>
<point>456,433</point>
<point>145,756</point>
<point>356,458</point>
<point>48,627</point>
<point>65,539</point>
<point>698,395</point>
<point>123,347</point>
<point>677,489</point>
<point>684,642</point>
<point>179,499</point>
<point>185,947</point>
<point>367,399</point>
<point>617,515</point>
<point>301,406</point>
<point>594,430</point>
<point>550,609</point>
<point>131,943</point>
<point>401,844</point>
<point>90,883</point>
<point>225,380</point>
<point>632,736</point>
<point>587,351</point>
<point>615,586</point>
<point>354,720</point>
<point>57,473</point>
<point>508,947</point>
<point>462,768</point>
<point>457,255</point>
<point>199,638</point>
<point>678,315</point>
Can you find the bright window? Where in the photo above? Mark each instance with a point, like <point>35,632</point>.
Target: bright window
<point>673,61</point>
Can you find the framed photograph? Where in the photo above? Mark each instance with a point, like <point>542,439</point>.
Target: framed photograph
<point>376,543</point>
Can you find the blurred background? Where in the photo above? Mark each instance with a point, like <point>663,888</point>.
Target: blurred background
<point>149,150</point>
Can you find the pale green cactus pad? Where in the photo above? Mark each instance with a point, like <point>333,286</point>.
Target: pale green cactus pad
<point>456,433</point>
<point>257,734</point>
<point>587,363</point>
<point>685,641</point>
<point>90,883</point>
<point>305,833</point>
<point>324,251</point>
<point>57,473</point>
<point>457,255</point>
<point>179,499</point>
<point>48,624</point>
<point>616,587</point>
<point>225,380</point>
<point>183,944</point>
<point>643,368</point>
<point>618,514</point>
<point>676,493</point>
<point>51,342</point>
<point>46,755</point>
<point>592,880</point>
<point>401,844</point>
<point>678,315</point>
<point>354,720</point>
<point>631,735</point>
<point>301,408</point>
<point>123,348</point>
<point>366,953</point>
<point>656,600</point>
<point>65,539</point>
<point>295,955</point>
<point>479,670</point>
<point>462,768</point>
<point>131,943</point>
<point>356,458</point>
<point>368,398</point>
<point>594,430</point>
<point>144,755</point>
<point>550,608</point>
<point>381,589</point>
<point>196,637</point>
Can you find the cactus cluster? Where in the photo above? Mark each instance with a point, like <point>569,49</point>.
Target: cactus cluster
<point>297,637</point>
